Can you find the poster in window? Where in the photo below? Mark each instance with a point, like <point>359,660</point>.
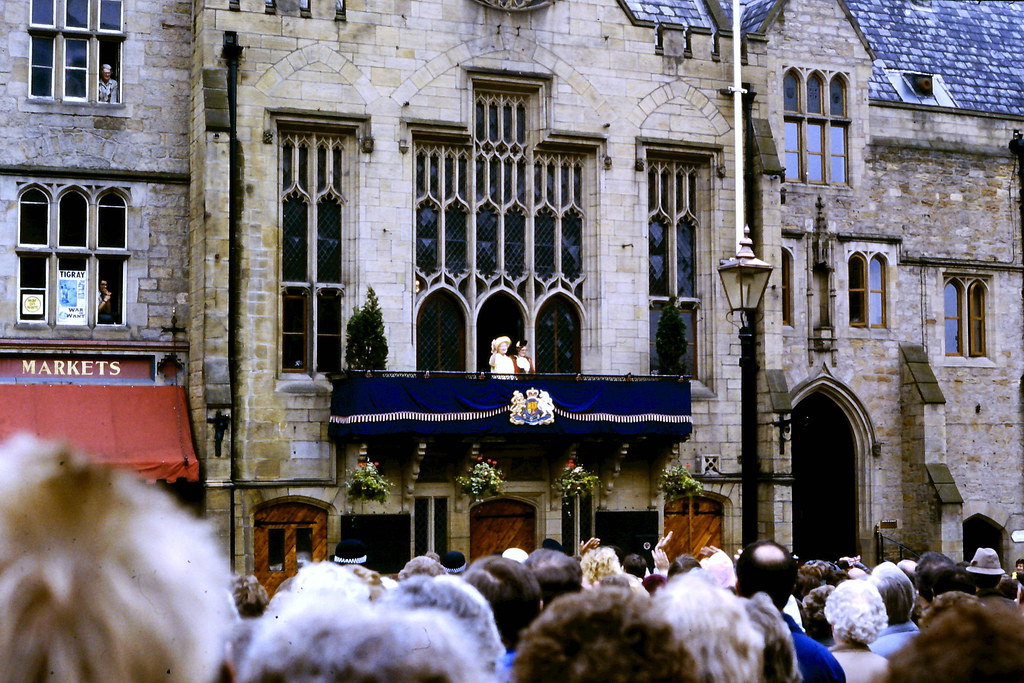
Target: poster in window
<point>32,304</point>
<point>71,301</point>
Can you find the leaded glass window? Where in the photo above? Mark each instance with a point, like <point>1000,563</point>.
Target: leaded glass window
<point>494,215</point>
<point>558,338</point>
<point>312,207</point>
<point>673,220</point>
<point>440,335</point>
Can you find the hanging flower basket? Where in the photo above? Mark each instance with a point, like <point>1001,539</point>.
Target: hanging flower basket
<point>484,480</point>
<point>365,483</point>
<point>676,482</point>
<point>576,480</point>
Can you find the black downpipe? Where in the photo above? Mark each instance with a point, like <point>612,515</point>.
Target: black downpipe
<point>750,462</point>
<point>232,52</point>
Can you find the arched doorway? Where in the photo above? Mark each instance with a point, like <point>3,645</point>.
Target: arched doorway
<point>497,525</point>
<point>500,316</point>
<point>981,532</point>
<point>824,481</point>
<point>282,533</point>
<point>694,522</point>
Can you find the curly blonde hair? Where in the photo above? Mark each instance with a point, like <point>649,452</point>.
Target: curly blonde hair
<point>599,563</point>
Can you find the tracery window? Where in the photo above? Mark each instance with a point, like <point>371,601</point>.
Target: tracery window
<point>312,206</point>
<point>817,128</point>
<point>672,228</point>
<point>498,215</point>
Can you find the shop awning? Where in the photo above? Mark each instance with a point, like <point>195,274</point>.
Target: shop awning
<point>145,428</point>
<point>536,405</point>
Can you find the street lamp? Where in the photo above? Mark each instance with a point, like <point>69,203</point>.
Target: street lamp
<point>744,279</point>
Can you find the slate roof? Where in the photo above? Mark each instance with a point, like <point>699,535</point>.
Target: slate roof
<point>754,13</point>
<point>686,12</point>
<point>975,46</point>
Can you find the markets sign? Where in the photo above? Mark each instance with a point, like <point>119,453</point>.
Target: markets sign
<point>78,367</point>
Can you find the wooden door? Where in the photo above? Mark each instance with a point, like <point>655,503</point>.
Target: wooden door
<point>497,525</point>
<point>694,522</point>
<point>281,532</point>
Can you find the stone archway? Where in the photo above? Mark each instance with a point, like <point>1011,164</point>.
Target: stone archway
<point>982,532</point>
<point>824,481</point>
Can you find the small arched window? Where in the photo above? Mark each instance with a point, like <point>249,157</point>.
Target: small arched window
<point>964,308</point>
<point>34,221</point>
<point>74,216</point>
<point>857,276</point>
<point>876,292</point>
<point>112,222</point>
<point>814,95</point>
<point>787,287</point>
<point>791,92</point>
<point>976,318</point>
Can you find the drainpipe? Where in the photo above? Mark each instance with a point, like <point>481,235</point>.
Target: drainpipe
<point>232,51</point>
<point>1017,147</point>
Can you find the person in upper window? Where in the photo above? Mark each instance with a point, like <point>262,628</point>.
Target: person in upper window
<point>524,364</point>
<point>107,91</point>
<point>501,362</point>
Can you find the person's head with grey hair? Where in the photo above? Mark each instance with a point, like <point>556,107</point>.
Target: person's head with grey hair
<point>323,644</point>
<point>896,590</point>
<point>712,624</point>
<point>421,565</point>
<point>464,603</point>
<point>320,583</point>
<point>103,577</point>
<point>780,663</point>
<point>856,612</point>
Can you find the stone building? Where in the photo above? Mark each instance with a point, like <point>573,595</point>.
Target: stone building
<point>94,177</point>
<point>555,172</point>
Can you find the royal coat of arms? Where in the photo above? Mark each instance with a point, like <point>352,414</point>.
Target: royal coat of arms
<point>536,408</point>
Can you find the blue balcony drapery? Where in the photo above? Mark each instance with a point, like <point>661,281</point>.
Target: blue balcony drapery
<point>530,406</point>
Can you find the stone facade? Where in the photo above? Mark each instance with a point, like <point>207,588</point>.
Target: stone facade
<point>123,168</point>
<point>882,413</point>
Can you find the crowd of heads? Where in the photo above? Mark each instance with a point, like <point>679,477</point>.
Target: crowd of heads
<point>116,583</point>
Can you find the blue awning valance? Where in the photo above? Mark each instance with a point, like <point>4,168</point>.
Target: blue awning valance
<point>534,406</point>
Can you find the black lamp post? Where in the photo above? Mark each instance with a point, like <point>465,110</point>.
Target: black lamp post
<point>744,279</point>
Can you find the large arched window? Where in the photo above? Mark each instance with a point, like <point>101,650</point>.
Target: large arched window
<point>440,335</point>
<point>312,205</point>
<point>558,337</point>
<point>816,128</point>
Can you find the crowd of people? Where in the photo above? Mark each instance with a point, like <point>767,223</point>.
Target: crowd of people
<point>103,578</point>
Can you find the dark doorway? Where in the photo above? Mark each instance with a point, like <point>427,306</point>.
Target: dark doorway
<point>500,316</point>
<point>980,532</point>
<point>629,531</point>
<point>386,537</point>
<point>825,482</point>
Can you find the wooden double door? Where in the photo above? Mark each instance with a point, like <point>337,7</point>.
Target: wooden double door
<point>497,525</point>
<point>694,522</point>
<point>282,534</point>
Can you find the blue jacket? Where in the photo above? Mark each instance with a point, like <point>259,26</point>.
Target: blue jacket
<point>817,665</point>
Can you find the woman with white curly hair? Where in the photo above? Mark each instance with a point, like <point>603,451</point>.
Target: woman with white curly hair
<point>857,614</point>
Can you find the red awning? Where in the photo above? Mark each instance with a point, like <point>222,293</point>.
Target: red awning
<point>142,428</point>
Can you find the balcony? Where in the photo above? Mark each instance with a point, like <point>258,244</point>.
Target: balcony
<point>529,406</point>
